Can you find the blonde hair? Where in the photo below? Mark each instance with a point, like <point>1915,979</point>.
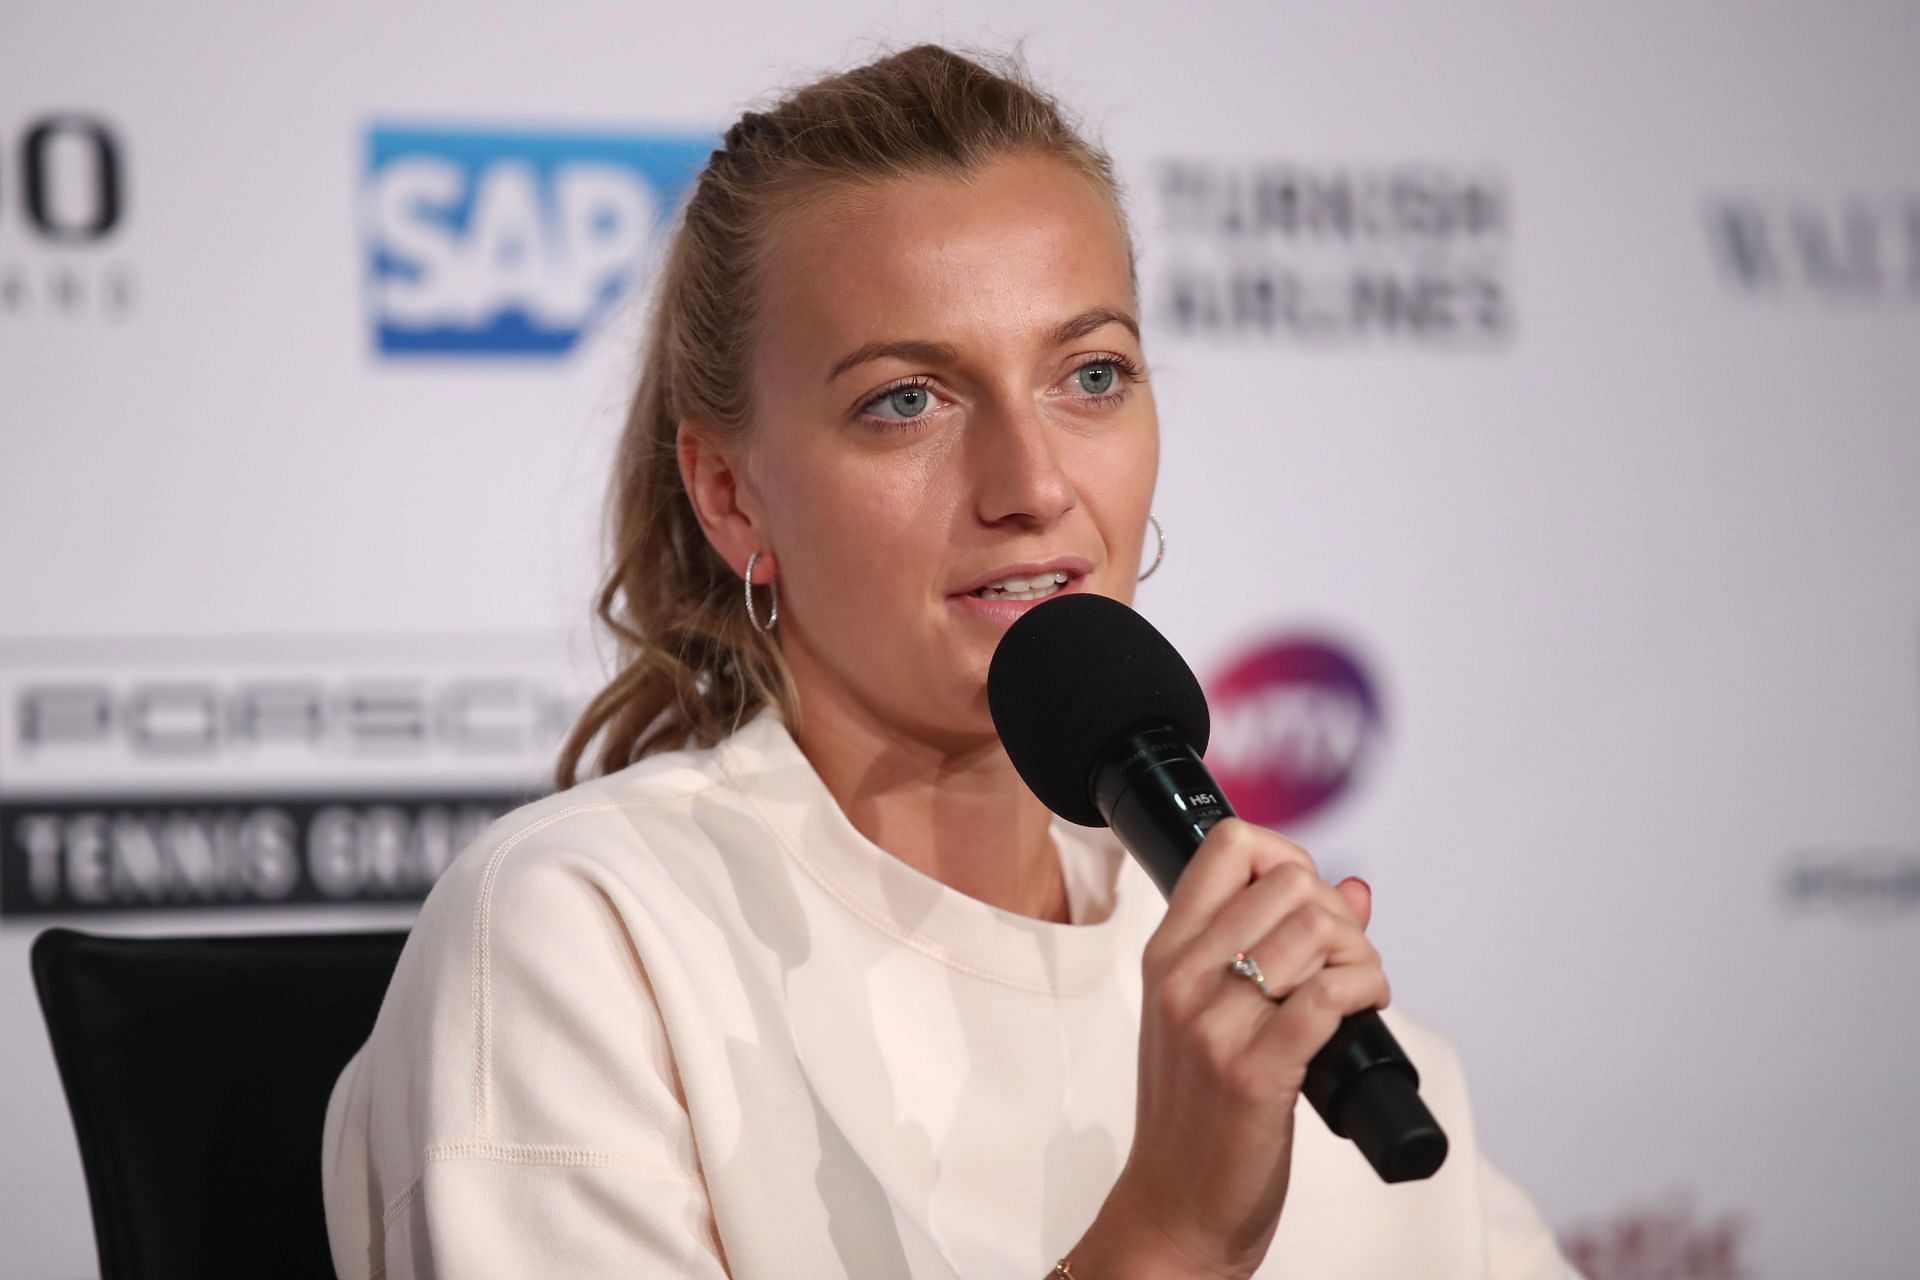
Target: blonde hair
<point>690,668</point>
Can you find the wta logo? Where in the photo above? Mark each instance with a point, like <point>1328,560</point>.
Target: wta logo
<point>511,244</point>
<point>1292,723</point>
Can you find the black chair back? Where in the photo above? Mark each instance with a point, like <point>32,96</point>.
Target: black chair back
<point>197,1070</point>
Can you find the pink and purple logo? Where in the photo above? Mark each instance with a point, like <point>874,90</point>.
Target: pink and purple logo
<point>1292,722</point>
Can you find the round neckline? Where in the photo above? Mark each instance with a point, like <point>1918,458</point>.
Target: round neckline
<point>763,761</point>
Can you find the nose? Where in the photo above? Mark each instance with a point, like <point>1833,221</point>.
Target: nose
<point>1018,476</point>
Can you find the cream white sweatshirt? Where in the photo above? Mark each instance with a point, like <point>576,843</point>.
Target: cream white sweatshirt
<point>685,1020</point>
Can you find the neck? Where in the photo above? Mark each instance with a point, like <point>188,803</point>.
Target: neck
<point>953,810</point>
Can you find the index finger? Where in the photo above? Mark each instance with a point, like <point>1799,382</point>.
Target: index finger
<point>1234,854</point>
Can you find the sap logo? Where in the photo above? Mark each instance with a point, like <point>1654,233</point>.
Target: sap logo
<point>511,243</point>
<point>1292,722</point>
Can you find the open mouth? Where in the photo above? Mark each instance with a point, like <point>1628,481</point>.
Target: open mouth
<point>1036,586</point>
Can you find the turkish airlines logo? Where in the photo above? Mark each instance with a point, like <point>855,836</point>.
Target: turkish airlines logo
<point>1325,256</point>
<point>1292,724</point>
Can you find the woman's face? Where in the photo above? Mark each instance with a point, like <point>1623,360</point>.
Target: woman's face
<point>951,424</point>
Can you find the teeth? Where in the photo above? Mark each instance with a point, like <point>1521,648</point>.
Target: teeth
<point>1036,587</point>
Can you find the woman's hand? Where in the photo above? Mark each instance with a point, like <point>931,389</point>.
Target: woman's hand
<point>1221,1066</point>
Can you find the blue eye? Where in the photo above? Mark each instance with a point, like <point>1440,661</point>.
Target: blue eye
<point>910,402</point>
<point>1096,378</point>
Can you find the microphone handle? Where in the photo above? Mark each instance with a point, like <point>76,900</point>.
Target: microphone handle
<point>1161,801</point>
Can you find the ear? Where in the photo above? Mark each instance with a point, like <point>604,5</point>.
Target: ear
<point>722,499</point>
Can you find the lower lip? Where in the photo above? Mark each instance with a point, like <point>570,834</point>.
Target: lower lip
<point>1006,612</point>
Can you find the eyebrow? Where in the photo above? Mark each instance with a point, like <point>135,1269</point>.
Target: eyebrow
<point>925,352</point>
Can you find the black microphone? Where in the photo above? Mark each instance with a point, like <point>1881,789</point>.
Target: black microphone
<point>1104,720</point>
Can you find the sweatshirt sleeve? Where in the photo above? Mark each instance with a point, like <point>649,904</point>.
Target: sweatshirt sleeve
<point>1520,1245</point>
<point>531,1094</point>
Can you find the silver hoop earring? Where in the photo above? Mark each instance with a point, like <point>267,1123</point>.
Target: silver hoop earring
<point>773,614</point>
<point>1160,535</point>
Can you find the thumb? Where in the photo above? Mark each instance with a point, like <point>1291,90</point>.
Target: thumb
<point>1359,896</point>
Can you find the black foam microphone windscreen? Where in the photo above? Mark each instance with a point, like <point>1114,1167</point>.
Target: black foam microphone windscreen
<point>1070,677</point>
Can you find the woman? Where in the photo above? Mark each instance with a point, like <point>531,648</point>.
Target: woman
<point>806,983</point>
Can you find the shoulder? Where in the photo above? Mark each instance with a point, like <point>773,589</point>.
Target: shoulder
<point>608,810</point>
<point>534,915</point>
<point>609,835</point>
<point>611,826</point>
<point>525,963</point>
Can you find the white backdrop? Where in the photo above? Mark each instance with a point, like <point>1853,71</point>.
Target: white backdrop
<point>1586,447</point>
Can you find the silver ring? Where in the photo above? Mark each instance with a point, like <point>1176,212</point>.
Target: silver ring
<point>1249,968</point>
